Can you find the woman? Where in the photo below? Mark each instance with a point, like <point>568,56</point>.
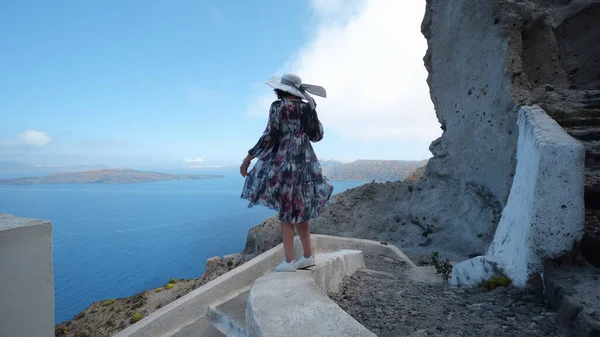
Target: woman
<point>287,176</point>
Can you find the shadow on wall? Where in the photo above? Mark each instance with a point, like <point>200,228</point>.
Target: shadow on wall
<point>566,56</point>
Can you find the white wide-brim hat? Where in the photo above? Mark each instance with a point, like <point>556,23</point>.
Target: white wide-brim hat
<point>292,84</point>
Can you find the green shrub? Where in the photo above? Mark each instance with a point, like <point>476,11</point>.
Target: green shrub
<point>442,266</point>
<point>170,286</point>
<point>496,281</point>
<point>135,318</point>
<point>59,332</point>
<point>109,302</point>
<point>110,322</point>
<point>172,281</point>
<point>158,290</point>
<point>230,263</point>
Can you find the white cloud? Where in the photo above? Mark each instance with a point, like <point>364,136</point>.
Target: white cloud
<point>370,60</point>
<point>336,10</point>
<point>27,138</point>
<point>196,160</point>
<point>35,137</point>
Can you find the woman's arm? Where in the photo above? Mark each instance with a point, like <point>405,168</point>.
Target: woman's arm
<point>271,136</point>
<point>313,127</point>
<point>268,141</point>
<point>248,159</point>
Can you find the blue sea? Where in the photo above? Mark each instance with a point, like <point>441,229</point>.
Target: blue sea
<point>113,241</point>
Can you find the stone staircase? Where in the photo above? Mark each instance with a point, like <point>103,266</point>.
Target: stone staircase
<point>230,317</point>
<point>303,290</point>
<point>578,112</point>
<point>202,327</point>
<point>252,300</point>
<point>226,319</point>
<point>572,289</point>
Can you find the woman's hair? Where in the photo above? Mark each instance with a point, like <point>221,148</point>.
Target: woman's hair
<point>281,94</point>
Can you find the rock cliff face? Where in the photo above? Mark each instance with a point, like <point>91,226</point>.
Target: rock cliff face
<point>469,81</point>
<point>487,58</point>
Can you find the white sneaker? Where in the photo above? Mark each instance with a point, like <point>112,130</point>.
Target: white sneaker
<point>305,262</point>
<point>286,266</point>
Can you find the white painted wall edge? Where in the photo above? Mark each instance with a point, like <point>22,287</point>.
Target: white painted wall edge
<point>544,215</point>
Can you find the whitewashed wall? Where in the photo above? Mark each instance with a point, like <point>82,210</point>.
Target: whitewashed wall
<point>544,214</point>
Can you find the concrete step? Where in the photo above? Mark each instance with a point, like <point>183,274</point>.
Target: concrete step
<point>592,103</point>
<point>297,305</point>
<point>573,292</point>
<point>589,134</point>
<point>201,328</point>
<point>592,94</point>
<point>230,317</point>
<point>578,122</point>
<point>331,268</point>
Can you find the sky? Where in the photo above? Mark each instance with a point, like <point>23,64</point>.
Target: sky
<point>139,84</point>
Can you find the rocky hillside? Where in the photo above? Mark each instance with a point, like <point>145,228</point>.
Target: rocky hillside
<point>371,170</point>
<point>106,318</point>
<point>387,212</point>
<point>416,175</point>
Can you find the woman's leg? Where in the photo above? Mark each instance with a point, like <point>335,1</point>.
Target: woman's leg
<point>304,234</point>
<point>287,233</point>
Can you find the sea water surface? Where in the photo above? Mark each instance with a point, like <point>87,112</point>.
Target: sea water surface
<point>113,241</point>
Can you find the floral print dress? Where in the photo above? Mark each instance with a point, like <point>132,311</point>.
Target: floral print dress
<point>287,176</point>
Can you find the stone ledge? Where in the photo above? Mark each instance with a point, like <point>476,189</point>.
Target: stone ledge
<point>335,243</point>
<point>26,277</point>
<point>544,214</point>
<point>573,292</point>
<point>293,304</point>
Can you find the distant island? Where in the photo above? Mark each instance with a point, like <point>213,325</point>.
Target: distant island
<point>369,170</point>
<point>11,168</point>
<point>105,176</point>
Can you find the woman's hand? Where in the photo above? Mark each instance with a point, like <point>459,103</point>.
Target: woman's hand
<point>244,166</point>
<point>244,169</point>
